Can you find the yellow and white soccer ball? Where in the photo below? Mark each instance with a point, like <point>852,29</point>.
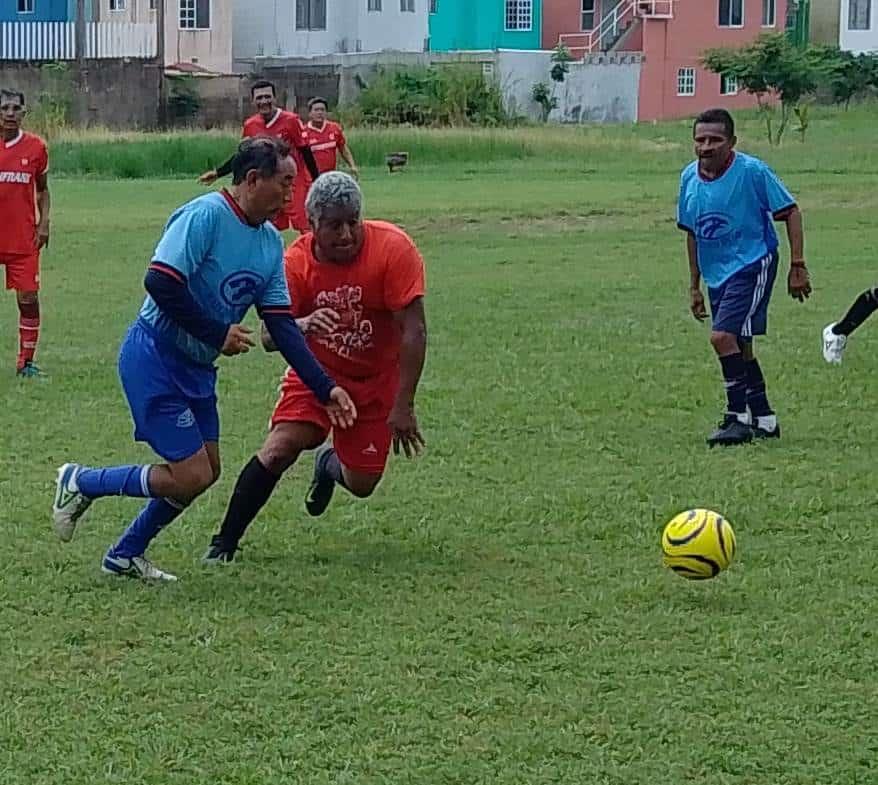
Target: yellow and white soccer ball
<point>698,544</point>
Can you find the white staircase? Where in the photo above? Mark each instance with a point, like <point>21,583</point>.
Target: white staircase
<point>614,24</point>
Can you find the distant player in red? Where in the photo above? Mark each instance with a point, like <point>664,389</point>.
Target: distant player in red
<point>270,120</point>
<point>357,289</point>
<point>327,141</point>
<point>24,207</point>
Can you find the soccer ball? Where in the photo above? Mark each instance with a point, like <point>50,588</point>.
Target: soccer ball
<point>698,544</point>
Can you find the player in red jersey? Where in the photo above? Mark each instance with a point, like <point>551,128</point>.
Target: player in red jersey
<point>24,206</point>
<point>357,289</point>
<point>270,120</point>
<point>327,141</point>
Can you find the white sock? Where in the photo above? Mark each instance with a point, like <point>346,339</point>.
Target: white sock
<point>767,423</point>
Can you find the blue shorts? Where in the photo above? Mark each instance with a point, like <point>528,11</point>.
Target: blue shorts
<point>173,402</point>
<point>740,304</point>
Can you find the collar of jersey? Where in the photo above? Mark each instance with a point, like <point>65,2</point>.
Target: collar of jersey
<point>236,209</point>
<point>15,141</point>
<point>274,119</point>
<point>719,176</point>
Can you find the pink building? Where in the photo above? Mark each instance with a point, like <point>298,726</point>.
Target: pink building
<point>672,35</point>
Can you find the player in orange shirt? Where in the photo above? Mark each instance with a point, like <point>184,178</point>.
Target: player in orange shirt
<point>270,120</point>
<point>357,289</point>
<point>327,141</point>
<point>24,195</point>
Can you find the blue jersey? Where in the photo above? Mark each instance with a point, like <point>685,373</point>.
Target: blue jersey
<point>228,266</point>
<point>732,217</point>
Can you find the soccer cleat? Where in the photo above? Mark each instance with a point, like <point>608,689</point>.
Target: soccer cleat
<point>731,431</point>
<point>766,428</point>
<point>69,505</point>
<point>134,567</point>
<point>30,371</point>
<point>321,488</point>
<point>833,345</point>
<point>218,552</point>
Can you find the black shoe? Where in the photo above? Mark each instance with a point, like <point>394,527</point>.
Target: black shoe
<point>731,431</point>
<point>762,433</point>
<point>218,552</point>
<point>322,486</point>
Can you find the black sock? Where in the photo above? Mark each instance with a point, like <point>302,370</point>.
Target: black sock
<point>332,469</point>
<point>252,490</point>
<point>735,376</point>
<point>757,400</point>
<point>861,310</point>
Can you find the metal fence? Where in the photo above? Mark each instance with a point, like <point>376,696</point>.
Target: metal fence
<point>57,40</point>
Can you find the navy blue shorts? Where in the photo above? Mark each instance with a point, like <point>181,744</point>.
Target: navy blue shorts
<point>740,304</point>
<point>173,403</point>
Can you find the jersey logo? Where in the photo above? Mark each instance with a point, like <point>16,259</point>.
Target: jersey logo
<point>186,419</point>
<point>713,226</point>
<point>25,161</point>
<point>15,177</point>
<point>241,288</point>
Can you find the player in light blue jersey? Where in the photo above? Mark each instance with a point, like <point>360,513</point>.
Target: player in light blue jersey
<point>727,205</point>
<point>218,256</point>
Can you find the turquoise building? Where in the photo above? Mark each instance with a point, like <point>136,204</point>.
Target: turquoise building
<point>485,24</point>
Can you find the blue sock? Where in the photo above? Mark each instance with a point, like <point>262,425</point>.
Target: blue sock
<point>157,514</point>
<point>115,481</point>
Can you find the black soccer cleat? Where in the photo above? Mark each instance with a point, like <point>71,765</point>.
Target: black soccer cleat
<point>218,552</point>
<point>731,431</point>
<point>322,485</point>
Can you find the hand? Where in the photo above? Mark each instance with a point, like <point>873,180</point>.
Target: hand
<point>341,409</point>
<point>799,283</point>
<point>696,304</point>
<point>208,178</point>
<point>406,436</point>
<point>41,239</point>
<point>323,321</point>
<point>355,172</point>
<point>238,340</point>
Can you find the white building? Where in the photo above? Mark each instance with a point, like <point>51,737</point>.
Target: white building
<point>859,26</point>
<point>308,28</point>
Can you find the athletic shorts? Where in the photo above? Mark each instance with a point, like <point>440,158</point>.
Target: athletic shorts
<point>172,402</point>
<point>365,446</point>
<point>284,219</point>
<point>22,271</point>
<point>298,214</point>
<point>740,304</point>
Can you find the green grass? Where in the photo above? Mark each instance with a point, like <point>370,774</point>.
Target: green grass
<point>497,612</point>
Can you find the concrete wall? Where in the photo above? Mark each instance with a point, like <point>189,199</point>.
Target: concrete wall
<point>602,89</point>
<point>859,41</point>
<point>114,93</point>
<point>825,16</point>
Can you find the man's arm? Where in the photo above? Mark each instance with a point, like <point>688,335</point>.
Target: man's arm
<point>310,161</point>
<point>798,280</point>
<point>413,350</point>
<point>348,157</point>
<point>696,298</point>
<point>44,204</point>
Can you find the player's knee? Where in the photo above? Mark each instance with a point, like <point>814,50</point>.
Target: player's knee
<point>27,298</point>
<point>361,485</point>
<point>284,445</point>
<point>194,478</point>
<point>724,343</point>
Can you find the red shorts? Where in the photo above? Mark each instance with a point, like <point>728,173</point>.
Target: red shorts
<point>299,216</point>
<point>22,271</point>
<point>284,219</point>
<point>365,446</point>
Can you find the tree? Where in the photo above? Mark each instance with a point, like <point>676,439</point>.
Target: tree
<point>541,92</point>
<point>771,66</point>
<point>845,75</point>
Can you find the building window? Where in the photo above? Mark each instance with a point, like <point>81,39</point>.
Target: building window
<point>374,5</point>
<point>310,14</point>
<point>434,6</point>
<point>117,5</point>
<point>519,14</point>
<point>769,13</point>
<point>728,84</point>
<point>731,13</point>
<point>25,6</point>
<point>587,22</point>
<point>407,6</point>
<point>152,5</point>
<point>859,14</point>
<point>686,81</point>
<point>194,14</point>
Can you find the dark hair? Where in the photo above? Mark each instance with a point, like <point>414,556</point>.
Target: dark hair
<point>17,93</point>
<point>262,153</point>
<point>317,100</point>
<point>260,84</point>
<point>718,116</point>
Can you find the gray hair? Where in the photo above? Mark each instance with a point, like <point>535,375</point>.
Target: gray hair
<point>331,190</point>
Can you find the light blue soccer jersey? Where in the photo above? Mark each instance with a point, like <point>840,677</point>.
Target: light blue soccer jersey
<point>732,217</point>
<point>228,266</point>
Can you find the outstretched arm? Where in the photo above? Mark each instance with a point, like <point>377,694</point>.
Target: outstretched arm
<point>413,352</point>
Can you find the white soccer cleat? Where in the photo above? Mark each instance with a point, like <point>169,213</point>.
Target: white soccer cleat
<point>135,567</point>
<point>833,345</point>
<point>70,505</point>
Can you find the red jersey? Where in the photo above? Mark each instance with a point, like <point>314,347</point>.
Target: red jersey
<point>21,161</point>
<point>386,276</point>
<point>283,125</point>
<point>324,143</point>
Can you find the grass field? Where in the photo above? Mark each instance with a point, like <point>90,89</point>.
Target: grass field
<point>497,612</point>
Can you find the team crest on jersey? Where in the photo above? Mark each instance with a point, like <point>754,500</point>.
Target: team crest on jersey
<point>241,288</point>
<point>713,226</point>
<point>354,333</point>
<point>25,161</point>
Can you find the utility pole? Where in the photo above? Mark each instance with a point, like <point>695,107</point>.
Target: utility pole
<point>81,106</point>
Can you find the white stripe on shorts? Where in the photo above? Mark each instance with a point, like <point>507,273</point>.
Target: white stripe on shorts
<point>758,294</point>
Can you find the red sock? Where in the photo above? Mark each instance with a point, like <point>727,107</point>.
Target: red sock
<point>28,332</point>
